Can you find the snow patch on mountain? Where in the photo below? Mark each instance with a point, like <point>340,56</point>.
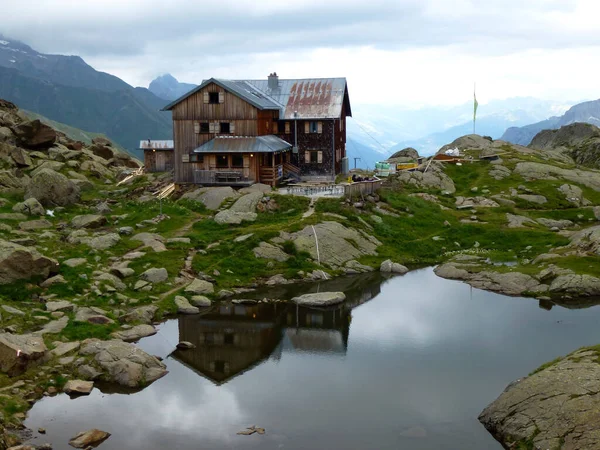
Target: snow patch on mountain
<point>4,42</point>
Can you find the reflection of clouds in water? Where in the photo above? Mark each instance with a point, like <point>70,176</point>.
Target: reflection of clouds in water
<point>413,308</point>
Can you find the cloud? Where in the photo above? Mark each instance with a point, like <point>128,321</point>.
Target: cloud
<point>439,46</point>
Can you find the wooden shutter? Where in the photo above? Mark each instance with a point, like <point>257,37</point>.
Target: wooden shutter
<point>232,127</point>
<point>307,127</point>
<point>196,127</point>
<point>287,128</point>
<point>221,97</point>
<point>206,97</point>
<point>319,127</point>
<point>320,157</point>
<point>211,127</point>
<point>307,157</point>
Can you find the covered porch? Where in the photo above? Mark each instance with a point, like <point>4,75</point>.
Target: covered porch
<point>241,161</point>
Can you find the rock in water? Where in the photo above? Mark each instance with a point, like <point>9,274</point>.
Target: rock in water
<point>184,306</point>
<point>90,438</point>
<point>21,263</point>
<point>124,363</point>
<point>391,267</point>
<point>19,352</point>
<point>554,408</point>
<point>78,387</point>
<point>320,299</point>
<point>51,188</point>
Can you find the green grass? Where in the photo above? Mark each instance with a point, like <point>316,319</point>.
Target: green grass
<point>580,264</point>
<point>78,331</point>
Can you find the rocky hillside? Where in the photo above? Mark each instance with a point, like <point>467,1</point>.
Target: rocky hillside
<point>586,112</point>
<point>68,90</point>
<point>88,265</point>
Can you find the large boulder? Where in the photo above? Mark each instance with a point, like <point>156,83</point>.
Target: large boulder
<point>143,314</point>
<point>270,251</point>
<point>578,285</point>
<point>184,306</point>
<point>554,408</point>
<point>434,178</point>
<point>587,240</point>
<point>406,154</point>
<point>320,299</point>
<point>388,266</point>
<point>51,188</point>
<point>35,134</point>
<point>102,151</point>
<point>88,221</point>
<point>336,243</point>
<point>199,287</point>
<point>124,363</point>
<point>12,181</point>
<point>19,352</point>
<point>509,283</point>
<point>229,217</point>
<point>212,197</point>
<point>21,263</point>
<point>30,207</point>
<point>154,275</point>
<point>247,203</point>
<point>135,334</point>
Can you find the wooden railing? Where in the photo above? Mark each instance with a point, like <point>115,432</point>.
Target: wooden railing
<point>224,176</point>
<point>270,175</point>
<point>362,188</point>
<point>289,167</point>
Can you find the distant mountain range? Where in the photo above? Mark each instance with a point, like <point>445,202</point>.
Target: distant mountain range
<point>586,112</point>
<point>167,87</point>
<point>67,90</point>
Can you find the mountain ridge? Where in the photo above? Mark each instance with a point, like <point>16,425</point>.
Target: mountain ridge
<point>585,112</point>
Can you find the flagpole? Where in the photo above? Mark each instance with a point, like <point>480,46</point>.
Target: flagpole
<point>474,106</point>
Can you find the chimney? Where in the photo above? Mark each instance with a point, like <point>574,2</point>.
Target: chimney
<point>273,81</point>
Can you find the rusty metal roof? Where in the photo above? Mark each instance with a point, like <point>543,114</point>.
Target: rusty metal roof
<point>244,144</point>
<point>311,98</point>
<point>158,145</point>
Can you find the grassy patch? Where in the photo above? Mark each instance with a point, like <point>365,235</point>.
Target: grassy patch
<point>78,331</point>
<point>547,364</point>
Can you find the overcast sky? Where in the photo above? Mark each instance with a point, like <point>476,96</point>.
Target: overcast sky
<point>403,52</point>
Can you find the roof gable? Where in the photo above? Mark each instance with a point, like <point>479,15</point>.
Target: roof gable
<point>241,89</point>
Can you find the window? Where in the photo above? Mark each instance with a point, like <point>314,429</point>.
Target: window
<point>222,161</point>
<point>204,127</point>
<point>281,126</point>
<point>237,161</point>
<point>225,127</point>
<point>196,157</point>
<point>213,98</point>
<point>313,127</point>
<point>228,339</point>
<point>313,157</point>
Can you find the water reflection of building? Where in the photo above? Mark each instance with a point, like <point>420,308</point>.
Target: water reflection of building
<point>229,340</point>
<point>233,339</point>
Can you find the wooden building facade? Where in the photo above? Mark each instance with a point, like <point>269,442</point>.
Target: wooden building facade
<point>158,155</point>
<point>301,125</point>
